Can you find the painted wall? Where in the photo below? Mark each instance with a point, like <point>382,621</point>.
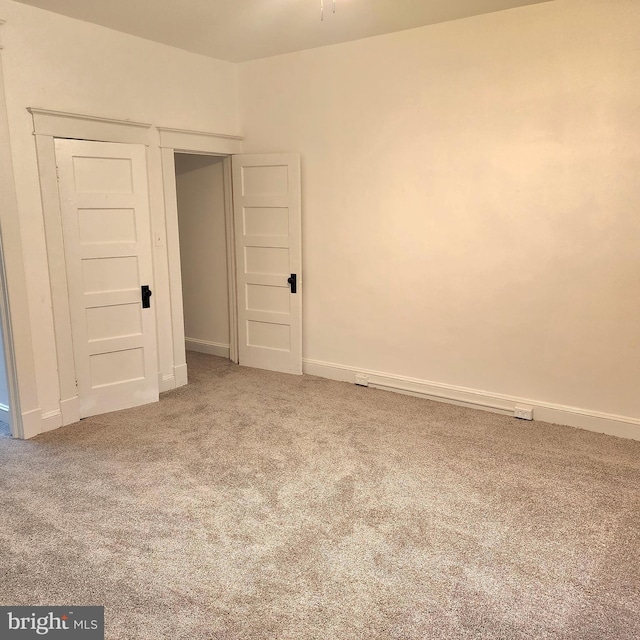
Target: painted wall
<point>203,251</point>
<point>58,63</point>
<point>471,199</point>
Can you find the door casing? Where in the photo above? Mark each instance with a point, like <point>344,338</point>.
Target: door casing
<point>49,125</point>
<point>174,141</point>
<point>230,250</point>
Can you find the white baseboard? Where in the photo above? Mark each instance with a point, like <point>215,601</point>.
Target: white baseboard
<point>169,381</point>
<point>166,382</point>
<point>51,420</point>
<point>70,409</point>
<point>614,425</point>
<point>180,375</point>
<point>4,412</point>
<point>31,424</point>
<point>205,346</point>
<point>35,422</point>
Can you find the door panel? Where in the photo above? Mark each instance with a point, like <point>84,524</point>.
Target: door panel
<point>105,221</point>
<point>266,221</point>
<point>267,213</point>
<point>101,226</point>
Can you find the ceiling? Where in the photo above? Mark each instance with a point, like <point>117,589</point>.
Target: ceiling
<point>239,30</point>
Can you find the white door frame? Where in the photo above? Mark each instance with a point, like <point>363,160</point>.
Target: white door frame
<point>15,415</point>
<point>174,141</point>
<point>47,126</point>
<point>18,346</point>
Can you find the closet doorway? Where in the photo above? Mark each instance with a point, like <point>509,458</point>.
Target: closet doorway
<point>200,194</point>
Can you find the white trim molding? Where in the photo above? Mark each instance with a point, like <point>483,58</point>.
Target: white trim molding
<point>31,423</point>
<point>231,260</point>
<point>60,124</point>
<point>166,382</point>
<point>180,374</point>
<point>610,424</point>
<point>174,276</point>
<point>199,141</point>
<point>51,420</point>
<point>52,217</point>
<point>170,381</point>
<point>194,142</point>
<point>206,346</point>
<point>70,410</point>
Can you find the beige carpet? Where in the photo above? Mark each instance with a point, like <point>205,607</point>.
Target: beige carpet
<point>251,504</point>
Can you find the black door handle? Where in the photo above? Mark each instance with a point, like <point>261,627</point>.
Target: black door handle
<point>293,281</point>
<point>146,294</point>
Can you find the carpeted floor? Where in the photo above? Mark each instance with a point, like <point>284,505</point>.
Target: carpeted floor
<point>258,505</point>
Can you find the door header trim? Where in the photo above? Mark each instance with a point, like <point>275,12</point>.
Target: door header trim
<point>199,141</point>
<point>61,124</point>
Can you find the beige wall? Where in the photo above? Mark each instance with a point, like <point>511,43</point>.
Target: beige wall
<point>203,251</point>
<point>471,200</point>
<point>58,63</point>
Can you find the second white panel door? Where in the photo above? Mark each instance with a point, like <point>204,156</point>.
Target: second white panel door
<point>267,212</point>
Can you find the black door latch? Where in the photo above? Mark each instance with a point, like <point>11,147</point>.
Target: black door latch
<point>293,281</point>
<point>146,294</point>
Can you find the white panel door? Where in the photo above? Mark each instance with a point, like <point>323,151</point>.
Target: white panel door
<point>105,219</point>
<point>266,201</point>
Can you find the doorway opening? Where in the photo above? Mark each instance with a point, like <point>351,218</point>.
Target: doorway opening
<point>204,260</point>
<point>11,424</point>
<point>5,414</point>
